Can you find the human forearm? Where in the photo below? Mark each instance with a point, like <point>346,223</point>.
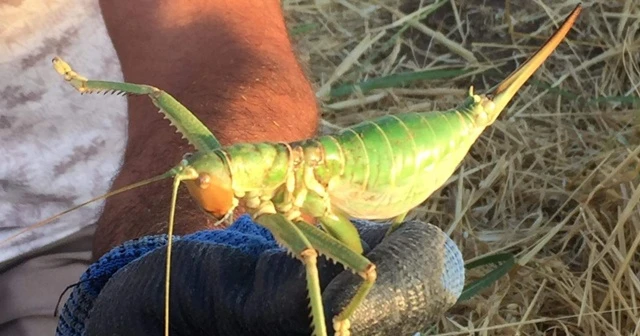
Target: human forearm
<point>230,63</point>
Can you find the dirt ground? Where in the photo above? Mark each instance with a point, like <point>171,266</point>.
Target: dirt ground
<point>554,180</point>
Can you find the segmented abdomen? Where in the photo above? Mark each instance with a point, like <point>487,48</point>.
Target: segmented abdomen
<point>385,167</point>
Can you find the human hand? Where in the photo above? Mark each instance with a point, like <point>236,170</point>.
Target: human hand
<point>239,282</point>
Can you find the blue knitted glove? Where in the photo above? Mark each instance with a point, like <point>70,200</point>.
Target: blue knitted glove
<point>238,281</point>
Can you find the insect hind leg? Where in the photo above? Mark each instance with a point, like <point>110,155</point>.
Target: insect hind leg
<point>187,124</point>
<point>84,85</point>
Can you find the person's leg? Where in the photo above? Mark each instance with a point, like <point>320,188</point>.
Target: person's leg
<point>29,290</point>
<point>58,148</point>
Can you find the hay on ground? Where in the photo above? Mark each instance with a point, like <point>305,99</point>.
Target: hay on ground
<point>555,179</point>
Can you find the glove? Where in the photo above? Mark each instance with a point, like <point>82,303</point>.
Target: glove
<point>238,281</point>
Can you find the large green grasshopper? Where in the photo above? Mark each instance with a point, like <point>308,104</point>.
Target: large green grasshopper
<point>377,169</point>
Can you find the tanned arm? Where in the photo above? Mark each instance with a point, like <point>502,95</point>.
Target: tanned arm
<point>231,63</point>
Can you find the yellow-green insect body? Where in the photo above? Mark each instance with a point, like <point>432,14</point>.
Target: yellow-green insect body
<point>392,164</point>
<point>374,170</point>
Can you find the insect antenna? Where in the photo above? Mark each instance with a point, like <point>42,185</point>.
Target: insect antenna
<point>183,175</point>
<point>163,176</point>
<point>72,286</point>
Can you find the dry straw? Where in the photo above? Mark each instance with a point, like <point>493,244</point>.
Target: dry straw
<point>554,180</point>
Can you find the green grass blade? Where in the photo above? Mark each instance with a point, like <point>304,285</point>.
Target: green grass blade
<point>396,80</point>
<point>303,28</point>
<point>507,262</point>
<point>628,99</point>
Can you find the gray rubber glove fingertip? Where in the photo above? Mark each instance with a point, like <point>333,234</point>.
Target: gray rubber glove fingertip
<point>453,274</point>
<point>420,276</point>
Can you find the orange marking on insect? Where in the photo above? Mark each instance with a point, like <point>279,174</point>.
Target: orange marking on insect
<point>213,194</point>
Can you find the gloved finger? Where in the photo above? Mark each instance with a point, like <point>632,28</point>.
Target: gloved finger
<point>418,265</point>
<point>420,274</point>
<point>215,290</point>
<point>218,290</point>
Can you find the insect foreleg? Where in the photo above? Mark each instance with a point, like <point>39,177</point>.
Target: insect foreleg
<point>287,234</point>
<point>335,250</point>
<point>189,126</point>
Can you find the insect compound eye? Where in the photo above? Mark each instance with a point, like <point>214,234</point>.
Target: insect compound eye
<point>204,180</point>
